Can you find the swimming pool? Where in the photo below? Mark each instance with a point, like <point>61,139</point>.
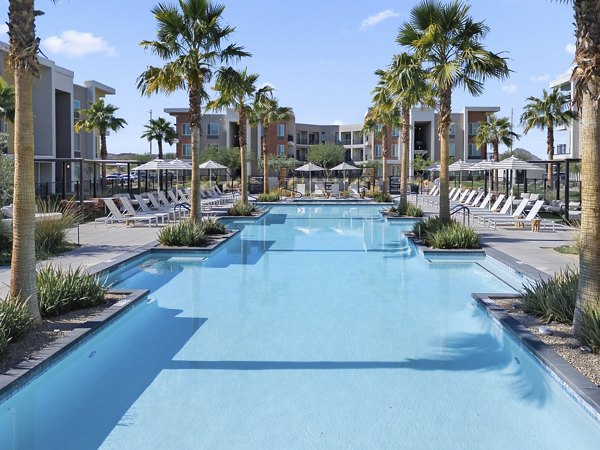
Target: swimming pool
<point>315,327</point>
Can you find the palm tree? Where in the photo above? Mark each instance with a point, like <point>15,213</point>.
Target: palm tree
<point>546,113</point>
<point>406,80</point>
<point>448,42</point>
<point>236,89</point>
<point>24,64</point>
<point>266,110</point>
<point>190,38</point>
<point>160,130</point>
<point>586,76</point>
<point>100,117</point>
<point>7,101</point>
<point>495,130</point>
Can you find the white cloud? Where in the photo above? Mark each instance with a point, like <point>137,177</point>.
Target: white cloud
<point>338,122</point>
<point>539,78</point>
<point>510,88</point>
<point>376,18</point>
<point>570,48</point>
<point>3,28</point>
<point>77,43</point>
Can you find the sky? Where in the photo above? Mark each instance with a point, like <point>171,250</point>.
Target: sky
<point>320,56</point>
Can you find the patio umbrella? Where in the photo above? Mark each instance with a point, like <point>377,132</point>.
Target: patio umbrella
<point>156,164</point>
<point>513,163</point>
<point>310,168</point>
<point>459,166</point>
<point>177,164</point>
<point>344,167</point>
<point>211,165</point>
<point>484,165</point>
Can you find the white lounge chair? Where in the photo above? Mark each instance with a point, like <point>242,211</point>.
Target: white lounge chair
<point>301,188</point>
<point>173,215</point>
<point>131,210</point>
<point>335,190</point>
<point>115,215</point>
<point>533,214</point>
<point>145,209</point>
<point>507,214</point>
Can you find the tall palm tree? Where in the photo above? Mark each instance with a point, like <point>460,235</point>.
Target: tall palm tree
<point>24,64</point>
<point>266,110</point>
<point>586,77</point>
<point>236,89</point>
<point>551,110</point>
<point>7,101</point>
<point>407,82</point>
<point>495,131</point>
<point>449,42</point>
<point>160,130</point>
<point>190,38</point>
<point>100,117</point>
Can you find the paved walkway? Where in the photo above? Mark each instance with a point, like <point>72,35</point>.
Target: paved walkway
<point>102,244</point>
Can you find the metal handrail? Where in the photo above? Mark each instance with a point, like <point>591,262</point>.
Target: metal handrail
<point>465,210</point>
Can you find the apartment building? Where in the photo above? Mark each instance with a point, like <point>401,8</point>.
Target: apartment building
<point>292,140</point>
<point>56,104</point>
<point>567,138</point>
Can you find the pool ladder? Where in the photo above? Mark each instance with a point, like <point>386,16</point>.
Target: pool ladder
<point>466,213</point>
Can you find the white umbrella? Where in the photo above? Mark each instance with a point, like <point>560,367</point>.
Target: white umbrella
<point>310,168</point>
<point>177,164</point>
<point>344,167</point>
<point>459,166</point>
<point>513,163</point>
<point>156,164</point>
<point>211,165</point>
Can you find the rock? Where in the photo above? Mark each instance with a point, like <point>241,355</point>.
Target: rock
<point>585,349</point>
<point>545,330</point>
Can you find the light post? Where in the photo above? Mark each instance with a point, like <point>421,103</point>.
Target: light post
<point>150,139</point>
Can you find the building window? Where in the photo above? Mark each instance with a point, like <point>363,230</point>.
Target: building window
<point>322,137</point>
<point>561,149</point>
<point>377,150</point>
<point>395,132</point>
<point>186,129</point>
<point>395,151</point>
<point>186,150</point>
<point>452,130</point>
<point>76,142</point>
<point>76,108</point>
<point>280,130</point>
<point>212,130</point>
<point>280,150</point>
<point>473,128</point>
<point>379,127</point>
<point>474,152</point>
<point>452,150</point>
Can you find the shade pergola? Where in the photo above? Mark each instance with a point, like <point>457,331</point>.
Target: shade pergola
<point>310,168</point>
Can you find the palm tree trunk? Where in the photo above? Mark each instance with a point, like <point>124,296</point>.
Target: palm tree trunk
<point>160,149</point>
<point>23,60</point>
<point>243,168</point>
<point>496,158</point>
<point>587,17</point>
<point>550,151</point>
<point>265,159</point>
<point>194,100</point>
<point>405,156</point>
<point>443,126</point>
<point>103,152</point>
<point>384,160</point>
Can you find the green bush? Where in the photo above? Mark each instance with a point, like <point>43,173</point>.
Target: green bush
<point>272,196</point>
<point>211,225</point>
<point>590,326</point>
<point>61,290</point>
<point>5,239</point>
<point>3,341</point>
<point>409,210</point>
<point>382,198</point>
<point>51,235</point>
<point>553,299</point>
<point>182,234</point>
<point>239,209</point>
<point>14,318</point>
<point>451,235</point>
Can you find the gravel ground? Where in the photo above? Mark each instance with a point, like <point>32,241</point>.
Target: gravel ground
<point>47,332</point>
<point>561,340</point>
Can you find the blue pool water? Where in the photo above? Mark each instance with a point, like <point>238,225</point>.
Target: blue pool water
<point>315,327</point>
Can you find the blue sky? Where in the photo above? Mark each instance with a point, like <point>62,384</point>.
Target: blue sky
<point>319,55</point>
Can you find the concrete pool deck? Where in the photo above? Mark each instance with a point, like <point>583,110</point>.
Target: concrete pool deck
<point>102,244</point>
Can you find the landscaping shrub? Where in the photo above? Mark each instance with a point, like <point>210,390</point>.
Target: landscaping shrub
<point>423,228</point>
<point>14,319</point>
<point>410,210</point>
<point>553,299</point>
<point>211,225</point>
<point>239,209</point>
<point>5,240</point>
<point>51,235</point>
<point>382,198</point>
<point>590,326</point>
<point>182,234</point>
<point>3,341</point>
<point>452,235</point>
<point>272,196</point>
<point>61,290</point>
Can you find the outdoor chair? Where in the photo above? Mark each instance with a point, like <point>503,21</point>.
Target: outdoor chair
<point>335,190</point>
<point>505,214</point>
<point>483,209</point>
<point>115,215</point>
<point>130,209</point>
<point>145,209</point>
<point>516,220</point>
<point>173,215</point>
<point>301,188</point>
<point>483,216</point>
